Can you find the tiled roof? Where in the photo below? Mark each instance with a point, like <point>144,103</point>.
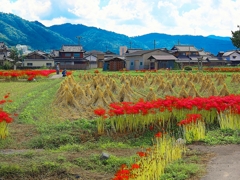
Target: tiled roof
<point>87,55</point>
<point>163,57</point>
<point>55,53</point>
<point>184,48</point>
<point>111,58</point>
<point>142,52</point>
<point>133,50</point>
<point>228,53</point>
<point>71,48</point>
<point>94,52</point>
<point>41,53</point>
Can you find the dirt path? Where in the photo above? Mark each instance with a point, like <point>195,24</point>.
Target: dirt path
<point>55,76</point>
<point>225,165</point>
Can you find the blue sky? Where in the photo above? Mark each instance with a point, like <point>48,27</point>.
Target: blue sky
<point>134,17</point>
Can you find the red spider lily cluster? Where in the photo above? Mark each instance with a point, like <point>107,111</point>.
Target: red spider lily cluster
<point>150,164</point>
<point>193,127</point>
<point>5,118</point>
<point>191,118</point>
<point>222,69</point>
<point>130,116</point>
<point>29,74</point>
<point>69,73</point>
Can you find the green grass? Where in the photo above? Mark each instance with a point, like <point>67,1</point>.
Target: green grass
<point>188,167</point>
<point>226,136</point>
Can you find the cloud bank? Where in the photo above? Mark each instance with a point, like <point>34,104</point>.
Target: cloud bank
<point>134,17</point>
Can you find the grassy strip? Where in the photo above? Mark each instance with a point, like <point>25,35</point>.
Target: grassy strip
<point>39,108</point>
<point>226,136</point>
<point>192,166</point>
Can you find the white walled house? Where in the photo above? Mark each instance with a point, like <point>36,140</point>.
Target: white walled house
<point>140,59</point>
<point>38,59</point>
<point>92,61</point>
<point>233,57</point>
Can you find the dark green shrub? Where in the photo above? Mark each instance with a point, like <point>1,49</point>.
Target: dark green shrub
<point>187,68</point>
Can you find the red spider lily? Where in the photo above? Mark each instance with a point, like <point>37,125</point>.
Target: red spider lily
<point>5,117</point>
<point>6,96</point>
<point>135,166</point>
<point>30,78</point>
<point>158,135</point>
<point>123,173</point>
<point>191,118</point>
<point>100,112</point>
<point>142,154</point>
<point>69,73</point>
<point>2,102</point>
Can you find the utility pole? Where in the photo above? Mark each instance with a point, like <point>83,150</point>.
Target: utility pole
<point>130,44</point>
<point>78,37</point>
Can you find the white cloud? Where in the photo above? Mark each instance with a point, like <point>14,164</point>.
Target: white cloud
<point>136,17</point>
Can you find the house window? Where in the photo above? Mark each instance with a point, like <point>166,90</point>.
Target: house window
<point>67,54</point>
<point>131,63</point>
<point>49,64</point>
<point>234,57</point>
<point>183,54</point>
<point>29,64</point>
<point>76,55</point>
<point>140,63</point>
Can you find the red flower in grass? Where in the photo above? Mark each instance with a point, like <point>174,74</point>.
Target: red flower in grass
<point>100,112</point>
<point>5,117</point>
<point>2,102</point>
<point>135,166</point>
<point>6,96</point>
<point>30,78</point>
<point>158,135</point>
<point>142,154</point>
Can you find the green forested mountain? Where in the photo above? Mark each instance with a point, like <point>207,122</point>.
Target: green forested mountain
<point>96,39</point>
<point>15,30</point>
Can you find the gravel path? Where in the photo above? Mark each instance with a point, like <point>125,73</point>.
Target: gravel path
<point>225,165</point>
<point>55,76</point>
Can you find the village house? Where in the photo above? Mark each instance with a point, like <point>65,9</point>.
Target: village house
<point>4,52</point>
<point>213,60</point>
<point>38,59</point>
<point>188,55</point>
<point>232,57</point>
<point>92,60</point>
<point>70,57</point>
<point>139,59</point>
<point>99,55</point>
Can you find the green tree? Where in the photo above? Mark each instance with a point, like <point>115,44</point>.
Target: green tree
<point>14,54</point>
<point>236,38</point>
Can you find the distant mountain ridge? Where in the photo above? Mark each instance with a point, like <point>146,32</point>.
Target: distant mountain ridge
<point>15,30</point>
<point>219,37</point>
